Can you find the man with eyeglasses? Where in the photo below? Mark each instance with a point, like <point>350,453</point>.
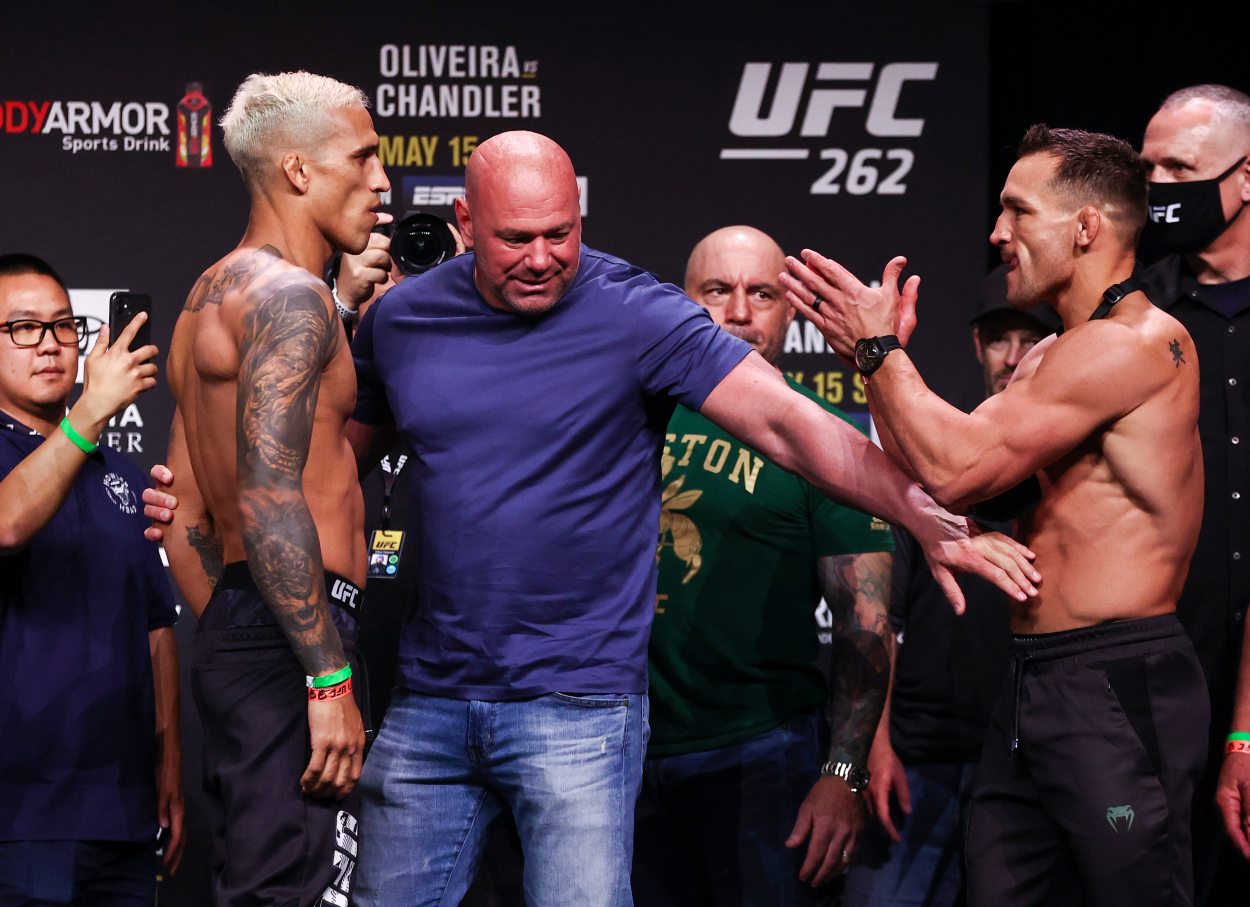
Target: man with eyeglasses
<point>91,761</point>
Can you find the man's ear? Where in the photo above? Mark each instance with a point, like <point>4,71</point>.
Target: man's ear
<point>976,343</point>
<point>1088,223</point>
<point>294,166</point>
<point>464,220</point>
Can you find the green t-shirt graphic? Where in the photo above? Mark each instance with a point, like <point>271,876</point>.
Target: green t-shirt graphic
<point>733,647</point>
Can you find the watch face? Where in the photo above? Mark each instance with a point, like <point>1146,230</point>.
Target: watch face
<point>868,355</point>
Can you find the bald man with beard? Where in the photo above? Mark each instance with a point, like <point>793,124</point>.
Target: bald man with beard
<point>533,379</point>
<point>749,796</point>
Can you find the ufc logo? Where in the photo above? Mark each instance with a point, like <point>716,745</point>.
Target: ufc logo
<point>1165,214</point>
<point>344,593</point>
<point>881,97</point>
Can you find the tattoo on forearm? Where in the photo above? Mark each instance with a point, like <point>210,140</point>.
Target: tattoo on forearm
<point>202,538</point>
<point>287,340</point>
<point>857,592</point>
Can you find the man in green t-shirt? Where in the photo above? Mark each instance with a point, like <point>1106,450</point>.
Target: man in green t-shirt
<point>748,796</point>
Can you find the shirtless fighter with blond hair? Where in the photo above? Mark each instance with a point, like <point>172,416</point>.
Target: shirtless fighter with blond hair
<point>262,374</point>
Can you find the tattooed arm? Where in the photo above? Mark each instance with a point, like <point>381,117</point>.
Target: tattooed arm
<point>857,591</point>
<point>191,540</point>
<point>287,339</point>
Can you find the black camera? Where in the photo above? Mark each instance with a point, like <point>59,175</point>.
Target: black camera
<point>419,241</point>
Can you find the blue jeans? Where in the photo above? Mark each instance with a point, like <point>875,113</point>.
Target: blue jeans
<point>78,873</point>
<point>568,767</point>
<point>927,868</point>
<point>712,825</point>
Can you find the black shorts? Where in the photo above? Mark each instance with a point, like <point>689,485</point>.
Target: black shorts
<point>1084,791</point>
<point>271,844</point>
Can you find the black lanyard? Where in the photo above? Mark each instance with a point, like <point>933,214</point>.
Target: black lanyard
<point>1112,295</point>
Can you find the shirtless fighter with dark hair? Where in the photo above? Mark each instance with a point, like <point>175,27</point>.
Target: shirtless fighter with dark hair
<point>1088,770</point>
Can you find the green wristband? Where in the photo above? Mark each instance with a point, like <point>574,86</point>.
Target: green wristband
<point>329,680</point>
<point>1238,735</point>
<point>79,441</point>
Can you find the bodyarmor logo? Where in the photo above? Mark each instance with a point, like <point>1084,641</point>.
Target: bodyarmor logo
<point>118,491</point>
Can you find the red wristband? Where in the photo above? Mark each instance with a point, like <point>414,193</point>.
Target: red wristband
<point>1237,746</point>
<point>339,690</point>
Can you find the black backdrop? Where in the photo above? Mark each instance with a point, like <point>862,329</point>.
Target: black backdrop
<point>648,98</point>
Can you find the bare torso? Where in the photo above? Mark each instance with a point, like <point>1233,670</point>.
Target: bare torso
<point>1120,513</point>
<point>219,320</point>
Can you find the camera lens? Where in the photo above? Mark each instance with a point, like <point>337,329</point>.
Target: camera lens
<point>420,241</point>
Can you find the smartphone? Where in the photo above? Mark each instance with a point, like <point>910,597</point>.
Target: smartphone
<point>123,307</point>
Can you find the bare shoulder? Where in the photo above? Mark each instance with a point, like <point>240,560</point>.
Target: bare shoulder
<point>285,310</point>
<point>1112,365</point>
<point>1028,365</point>
<point>235,274</point>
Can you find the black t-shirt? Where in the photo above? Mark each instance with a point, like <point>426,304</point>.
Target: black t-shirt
<point>950,668</point>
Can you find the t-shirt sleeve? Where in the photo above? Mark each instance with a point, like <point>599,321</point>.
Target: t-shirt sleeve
<point>160,594</point>
<point>903,588</point>
<point>681,352</point>
<point>372,407</point>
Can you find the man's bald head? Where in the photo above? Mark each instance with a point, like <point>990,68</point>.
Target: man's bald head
<point>519,155</point>
<point>733,273</point>
<point>522,218</point>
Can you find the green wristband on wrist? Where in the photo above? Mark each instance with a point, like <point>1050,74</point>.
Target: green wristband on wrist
<point>1238,735</point>
<point>79,441</point>
<point>329,680</point>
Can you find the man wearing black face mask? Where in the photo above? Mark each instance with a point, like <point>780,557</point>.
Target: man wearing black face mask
<point>1196,149</point>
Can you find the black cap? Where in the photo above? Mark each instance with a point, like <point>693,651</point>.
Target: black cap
<point>994,300</point>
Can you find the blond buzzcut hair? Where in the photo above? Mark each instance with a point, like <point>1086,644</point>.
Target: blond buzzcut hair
<point>291,108</point>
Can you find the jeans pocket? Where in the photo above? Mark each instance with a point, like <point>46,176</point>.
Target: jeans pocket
<point>593,700</point>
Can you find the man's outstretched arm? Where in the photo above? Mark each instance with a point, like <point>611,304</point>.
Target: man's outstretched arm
<point>286,340</point>
<point>754,403</point>
<point>1055,402</point>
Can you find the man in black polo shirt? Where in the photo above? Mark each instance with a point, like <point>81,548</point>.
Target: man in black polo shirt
<point>89,706</point>
<point>1197,148</point>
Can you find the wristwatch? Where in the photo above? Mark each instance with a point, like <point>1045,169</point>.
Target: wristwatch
<point>871,352</point>
<point>855,776</point>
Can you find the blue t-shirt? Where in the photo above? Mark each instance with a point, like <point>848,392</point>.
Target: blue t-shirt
<point>536,469</point>
<point>76,707</point>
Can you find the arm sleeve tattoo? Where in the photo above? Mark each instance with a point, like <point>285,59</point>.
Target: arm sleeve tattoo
<point>287,339</point>
<point>857,591</point>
